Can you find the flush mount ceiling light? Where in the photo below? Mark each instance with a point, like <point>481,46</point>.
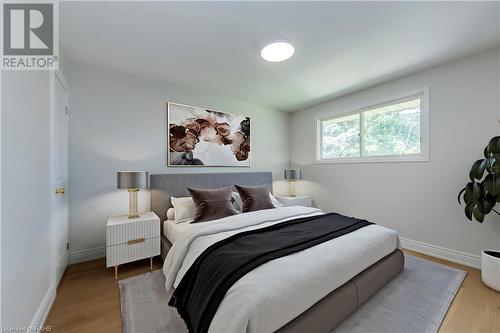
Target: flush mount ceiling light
<point>277,51</point>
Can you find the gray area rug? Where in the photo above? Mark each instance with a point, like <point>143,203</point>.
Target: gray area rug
<point>415,301</point>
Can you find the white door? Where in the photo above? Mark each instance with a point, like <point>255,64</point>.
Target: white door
<point>61,177</point>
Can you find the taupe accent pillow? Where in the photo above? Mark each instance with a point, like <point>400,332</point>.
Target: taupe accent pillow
<point>254,197</point>
<point>212,204</point>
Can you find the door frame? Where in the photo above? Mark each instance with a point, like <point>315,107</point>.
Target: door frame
<point>55,75</point>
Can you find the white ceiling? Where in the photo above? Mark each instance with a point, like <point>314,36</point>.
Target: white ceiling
<point>215,46</point>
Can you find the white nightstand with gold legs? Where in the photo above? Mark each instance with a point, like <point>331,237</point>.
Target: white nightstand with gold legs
<point>129,240</point>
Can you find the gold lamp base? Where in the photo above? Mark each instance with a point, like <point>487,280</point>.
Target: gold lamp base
<point>291,189</point>
<point>132,203</point>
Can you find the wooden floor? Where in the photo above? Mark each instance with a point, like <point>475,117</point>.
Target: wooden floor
<point>88,300</point>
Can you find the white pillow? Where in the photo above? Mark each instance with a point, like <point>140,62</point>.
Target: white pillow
<point>238,204</point>
<point>275,201</point>
<point>171,214</point>
<point>184,209</point>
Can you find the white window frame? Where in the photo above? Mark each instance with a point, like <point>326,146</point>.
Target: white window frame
<point>423,156</point>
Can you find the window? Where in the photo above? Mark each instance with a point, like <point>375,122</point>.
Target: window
<point>393,130</point>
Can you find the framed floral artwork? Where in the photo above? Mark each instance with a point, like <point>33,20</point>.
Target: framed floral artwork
<point>202,137</point>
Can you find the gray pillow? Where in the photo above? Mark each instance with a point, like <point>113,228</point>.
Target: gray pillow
<point>254,197</point>
<point>212,204</point>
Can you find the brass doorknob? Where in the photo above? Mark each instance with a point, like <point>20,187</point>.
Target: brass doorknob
<point>60,190</point>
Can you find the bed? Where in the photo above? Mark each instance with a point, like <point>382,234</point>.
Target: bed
<point>341,283</point>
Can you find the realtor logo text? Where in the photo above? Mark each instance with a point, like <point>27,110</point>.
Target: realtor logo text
<point>29,36</point>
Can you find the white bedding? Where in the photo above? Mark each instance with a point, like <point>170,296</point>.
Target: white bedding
<point>298,280</point>
<point>173,230</point>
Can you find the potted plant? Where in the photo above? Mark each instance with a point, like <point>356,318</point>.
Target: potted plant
<point>480,196</point>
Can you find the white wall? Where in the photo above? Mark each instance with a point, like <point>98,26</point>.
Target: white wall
<point>118,122</point>
<point>64,64</point>
<point>25,172</point>
<point>417,199</point>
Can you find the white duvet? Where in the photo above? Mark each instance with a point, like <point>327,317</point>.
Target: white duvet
<point>276,292</point>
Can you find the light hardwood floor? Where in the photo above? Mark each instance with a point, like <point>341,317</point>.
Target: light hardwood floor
<point>88,300</point>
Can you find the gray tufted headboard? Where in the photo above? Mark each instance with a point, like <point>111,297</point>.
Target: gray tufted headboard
<point>163,186</point>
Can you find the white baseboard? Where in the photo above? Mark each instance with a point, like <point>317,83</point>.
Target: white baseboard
<point>86,255</point>
<point>43,310</point>
<point>455,256</point>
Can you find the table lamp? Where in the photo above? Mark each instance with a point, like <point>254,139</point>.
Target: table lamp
<point>133,181</point>
<point>292,175</point>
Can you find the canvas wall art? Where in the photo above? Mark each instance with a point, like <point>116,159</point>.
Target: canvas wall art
<point>202,137</point>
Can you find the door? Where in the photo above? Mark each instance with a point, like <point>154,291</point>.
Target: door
<point>61,176</point>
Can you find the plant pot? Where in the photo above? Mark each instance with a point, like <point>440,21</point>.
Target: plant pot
<point>490,268</point>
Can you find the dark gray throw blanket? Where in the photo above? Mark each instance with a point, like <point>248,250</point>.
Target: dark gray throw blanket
<point>201,290</point>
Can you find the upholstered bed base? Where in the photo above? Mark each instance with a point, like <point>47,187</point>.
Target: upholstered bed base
<point>329,312</point>
<point>340,303</point>
<point>165,247</point>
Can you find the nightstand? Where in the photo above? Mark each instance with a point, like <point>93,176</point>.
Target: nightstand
<point>300,200</point>
<point>129,240</point>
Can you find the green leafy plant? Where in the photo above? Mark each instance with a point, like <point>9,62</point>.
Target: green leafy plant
<point>483,191</point>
